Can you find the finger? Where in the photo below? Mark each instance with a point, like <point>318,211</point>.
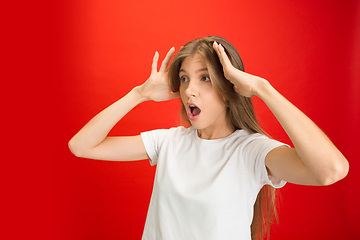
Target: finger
<point>224,56</point>
<point>175,95</point>
<point>166,60</point>
<point>216,47</point>
<point>236,89</point>
<point>224,59</point>
<point>154,63</point>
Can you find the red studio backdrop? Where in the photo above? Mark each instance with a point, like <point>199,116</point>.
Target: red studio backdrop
<point>308,50</point>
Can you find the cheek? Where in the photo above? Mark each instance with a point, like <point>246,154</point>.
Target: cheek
<point>182,94</point>
<point>211,94</point>
<point>215,101</point>
<point>181,88</point>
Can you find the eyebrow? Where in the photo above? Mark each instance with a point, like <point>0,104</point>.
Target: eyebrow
<point>200,70</point>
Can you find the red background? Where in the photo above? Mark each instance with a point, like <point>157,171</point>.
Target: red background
<point>68,61</point>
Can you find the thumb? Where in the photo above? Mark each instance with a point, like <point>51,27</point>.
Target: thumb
<point>174,95</point>
<point>236,89</point>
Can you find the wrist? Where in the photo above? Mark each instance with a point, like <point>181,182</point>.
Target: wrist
<point>136,92</point>
<point>263,88</point>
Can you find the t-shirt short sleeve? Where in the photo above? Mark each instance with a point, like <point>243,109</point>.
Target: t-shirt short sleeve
<point>255,154</point>
<point>152,141</point>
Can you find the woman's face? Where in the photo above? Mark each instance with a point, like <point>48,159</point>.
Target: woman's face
<point>205,110</point>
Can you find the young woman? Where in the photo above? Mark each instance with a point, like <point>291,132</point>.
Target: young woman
<point>212,177</point>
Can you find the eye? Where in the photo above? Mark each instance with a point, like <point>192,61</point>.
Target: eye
<point>184,79</point>
<point>205,79</point>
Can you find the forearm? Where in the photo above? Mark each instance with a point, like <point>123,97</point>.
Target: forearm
<point>316,160</point>
<point>321,158</point>
<point>96,130</point>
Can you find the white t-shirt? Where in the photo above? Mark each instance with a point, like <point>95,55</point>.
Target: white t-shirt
<point>205,189</point>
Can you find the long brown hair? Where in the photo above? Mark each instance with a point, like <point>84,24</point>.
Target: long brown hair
<point>240,113</point>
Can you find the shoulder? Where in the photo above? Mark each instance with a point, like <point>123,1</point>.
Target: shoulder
<point>253,143</point>
<point>256,145</point>
<point>243,138</point>
<point>174,132</point>
<point>253,138</point>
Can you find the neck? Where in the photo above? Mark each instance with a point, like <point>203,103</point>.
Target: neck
<point>210,134</point>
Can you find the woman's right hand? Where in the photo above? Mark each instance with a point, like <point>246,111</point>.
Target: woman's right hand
<point>157,87</point>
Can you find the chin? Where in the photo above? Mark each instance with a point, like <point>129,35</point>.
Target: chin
<point>198,125</point>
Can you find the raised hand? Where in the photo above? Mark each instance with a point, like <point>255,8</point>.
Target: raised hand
<point>244,83</point>
<point>157,87</point>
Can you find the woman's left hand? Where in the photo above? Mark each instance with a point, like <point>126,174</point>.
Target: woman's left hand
<point>315,160</point>
<point>245,84</point>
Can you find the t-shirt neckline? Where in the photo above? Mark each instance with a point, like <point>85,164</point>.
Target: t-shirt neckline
<point>212,141</point>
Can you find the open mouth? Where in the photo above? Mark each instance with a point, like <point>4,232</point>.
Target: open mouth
<point>194,110</point>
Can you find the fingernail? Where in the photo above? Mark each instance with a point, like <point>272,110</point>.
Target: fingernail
<point>216,42</point>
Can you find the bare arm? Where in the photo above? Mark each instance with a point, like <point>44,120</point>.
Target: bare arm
<point>92,141</point>
<point>315,160</point>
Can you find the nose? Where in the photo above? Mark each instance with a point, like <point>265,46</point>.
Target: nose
<point>192,90</point>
